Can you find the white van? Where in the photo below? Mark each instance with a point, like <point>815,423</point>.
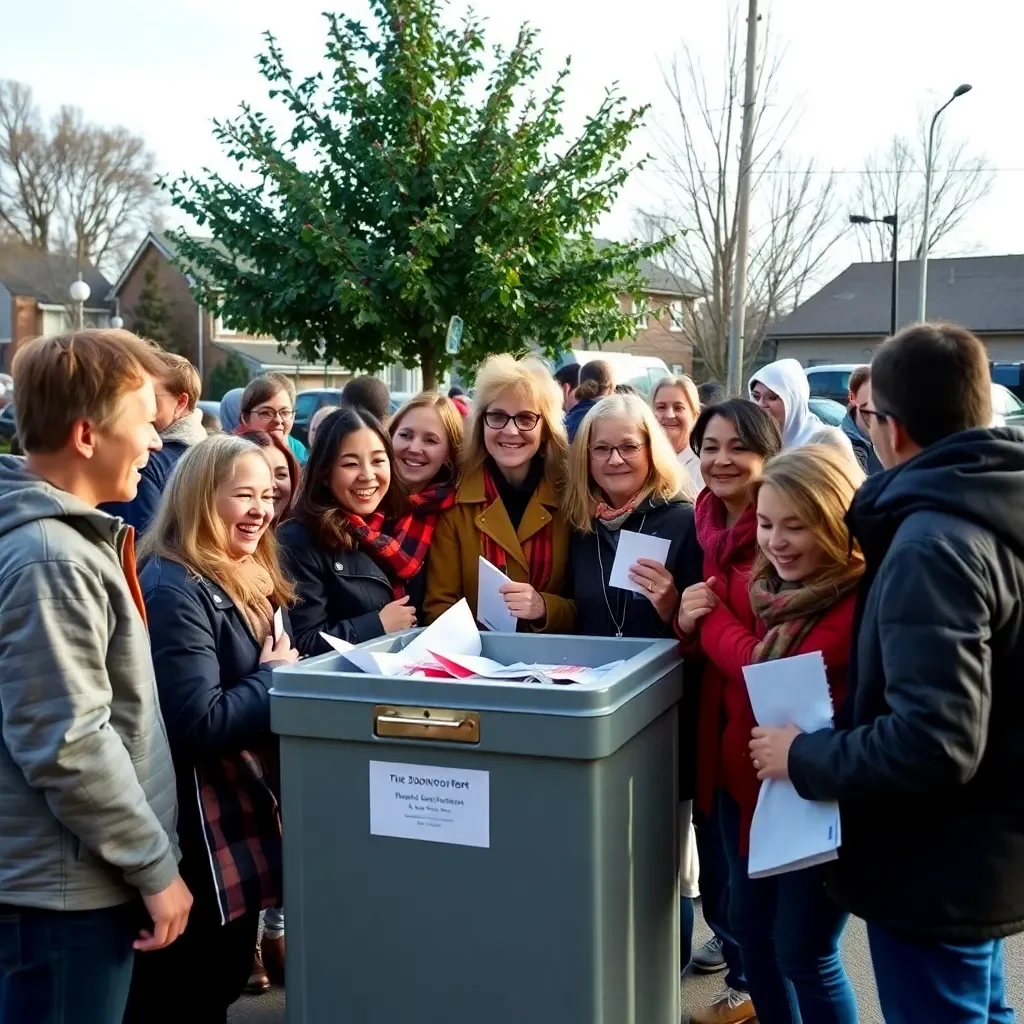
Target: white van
<point>642,372</point>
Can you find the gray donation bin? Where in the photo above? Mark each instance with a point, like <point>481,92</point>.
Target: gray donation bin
<point>477,852</point>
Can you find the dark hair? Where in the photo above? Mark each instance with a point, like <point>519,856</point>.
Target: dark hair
<point>627,389</point>
<point>596,380</point>
<point>934,379</point>
<point>569,375</point>
<point>316,507</point>
<point>711,393</point>
<point>263,389</point>
<point>368,393</point>
<point>756,428</point>
<point>267,440</point>
<point>455,391</point>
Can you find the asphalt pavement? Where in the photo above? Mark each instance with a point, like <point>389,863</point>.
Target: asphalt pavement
<point>697,990</point>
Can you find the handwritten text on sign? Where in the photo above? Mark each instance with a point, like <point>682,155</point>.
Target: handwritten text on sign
<point>437,805</point>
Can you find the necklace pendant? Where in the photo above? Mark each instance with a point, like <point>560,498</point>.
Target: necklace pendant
<point>619,633</point>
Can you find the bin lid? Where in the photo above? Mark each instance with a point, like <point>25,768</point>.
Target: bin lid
<point>642,663</point>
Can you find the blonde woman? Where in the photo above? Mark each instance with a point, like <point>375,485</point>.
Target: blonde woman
<point>216,603</point>
<point>803,592</point>
<point>676,405</point>
<point>507,507</point>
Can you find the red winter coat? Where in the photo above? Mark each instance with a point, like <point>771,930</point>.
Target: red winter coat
<point>729,635</point>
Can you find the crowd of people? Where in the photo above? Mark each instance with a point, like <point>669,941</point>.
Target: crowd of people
<point>155,570</point>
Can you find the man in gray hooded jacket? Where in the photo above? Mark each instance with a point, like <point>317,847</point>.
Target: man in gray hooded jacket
<point>87,792</point>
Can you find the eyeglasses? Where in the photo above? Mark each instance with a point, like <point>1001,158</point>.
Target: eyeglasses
<point>866,413</point>
<point>627,452</point>
<point>269,415</point>
<point>498,419</point>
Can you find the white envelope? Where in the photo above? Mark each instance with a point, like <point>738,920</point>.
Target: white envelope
<point>631,547</point>
<point>491,609</point>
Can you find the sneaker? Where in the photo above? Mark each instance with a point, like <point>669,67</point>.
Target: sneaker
<point>258,982</point>
<point>728,1007</point>
<point>709,958</point>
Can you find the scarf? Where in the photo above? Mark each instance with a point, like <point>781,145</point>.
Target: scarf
<point>723,545</point>
<point>790,613</point>
<point>613,518</point>
<point>539,549</point>
<point>403,546</point>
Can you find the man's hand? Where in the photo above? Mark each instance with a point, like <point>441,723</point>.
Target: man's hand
<point>769,750</point>
<point>169,911</point>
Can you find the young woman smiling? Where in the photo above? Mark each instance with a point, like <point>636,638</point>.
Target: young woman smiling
<point>507,507</point>
<point>284,469</point>
<point>333,545</point>
<point>734,440</point>
<point>213,588</point>
<point>427,437</point>
<point>802,593</point>
<point>676,406</point>
<point>268,403</point>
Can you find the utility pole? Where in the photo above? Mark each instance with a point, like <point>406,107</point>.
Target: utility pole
<point>739,290</point>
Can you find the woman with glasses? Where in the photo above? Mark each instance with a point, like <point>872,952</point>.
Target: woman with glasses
<point>508,507</point>
<point>268,403</point>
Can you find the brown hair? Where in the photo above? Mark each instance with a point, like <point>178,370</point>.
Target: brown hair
<point>263,389</point>
<point>76,376</point>
<point>181,378</point>
<point>451,420</point>
<point>267,440</point>
<point>596,380</point>
<point>934,380</point>
<point>858,379</point>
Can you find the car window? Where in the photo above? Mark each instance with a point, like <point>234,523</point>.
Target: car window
<point>306,404</point>
<point>1005,402</point>
<point>829,382</point>
<point>828,411</point>
<point>8,413</point>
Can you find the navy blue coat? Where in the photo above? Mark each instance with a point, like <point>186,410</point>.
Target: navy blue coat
<point>576,415</point>
<point>339,592</point>
<point>153,479</point>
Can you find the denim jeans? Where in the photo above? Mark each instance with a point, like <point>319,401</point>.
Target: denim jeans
<point>714,893</point>
<point>788,932</point>
<point>71,967</point>
<point>940,981</point>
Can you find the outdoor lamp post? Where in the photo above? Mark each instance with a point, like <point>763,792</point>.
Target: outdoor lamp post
<point>80,293</point>
<point>922,295</point>
<point>893,221</point>
<point>116,322</point>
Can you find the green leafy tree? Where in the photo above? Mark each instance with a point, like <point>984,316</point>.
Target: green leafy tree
<point>227,376</point>
<point>151,314</point>
<point>393,202</point>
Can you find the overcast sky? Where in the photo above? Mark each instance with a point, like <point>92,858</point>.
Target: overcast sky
<point>859,73</point>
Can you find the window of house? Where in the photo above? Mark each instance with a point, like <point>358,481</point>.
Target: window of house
<point>55,321</point>
<point>220,330</point>
<point>676,314</point>
<point>640,312</point>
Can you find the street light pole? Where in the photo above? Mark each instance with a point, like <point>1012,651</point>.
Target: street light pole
<point>922,295</point>
<point>893,221</point>
<point>739,288</point>
<point>80,293</point>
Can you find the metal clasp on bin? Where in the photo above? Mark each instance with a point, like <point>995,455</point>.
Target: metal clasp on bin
<point>426,724</point>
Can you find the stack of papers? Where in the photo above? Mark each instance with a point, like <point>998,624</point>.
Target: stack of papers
<point>789,833</point>
<point>450,649</point>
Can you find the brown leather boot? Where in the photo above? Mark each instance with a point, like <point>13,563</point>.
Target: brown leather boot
<point>273,958</point>
<point>258,982</point>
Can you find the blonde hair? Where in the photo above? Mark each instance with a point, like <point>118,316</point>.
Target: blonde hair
<point>664,482</point>
<point>819,481</point>
<point>529,380</point>
<point>181,378</point>
<point>188,530</point>
<point>451,421</point>
<point>686,385</point>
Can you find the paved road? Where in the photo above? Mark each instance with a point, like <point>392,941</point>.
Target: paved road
<point>697,990</point>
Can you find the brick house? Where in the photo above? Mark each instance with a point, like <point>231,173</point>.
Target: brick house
<point>35,299</point>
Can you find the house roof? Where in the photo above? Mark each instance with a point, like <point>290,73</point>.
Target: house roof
<point>985,293</point>
<point>268,356</point>
<point>661,281</point>
<point>47,276</point>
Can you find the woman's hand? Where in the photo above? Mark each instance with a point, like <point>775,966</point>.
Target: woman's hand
<point>696,602</point>
<point>398,615</point>
<point>523,601</point>
<point>659,587</point>
<point>769,750</point>
<point>279,650</point>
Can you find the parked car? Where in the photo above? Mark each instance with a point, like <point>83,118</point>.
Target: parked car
<point>831,380</point>
<point>210,408</point>
<point>306,404</point>
<point>641,372</point>
<point>8,428</point>
<point>829,412</point>
<point>398,399</point>
<point>1007,408</point>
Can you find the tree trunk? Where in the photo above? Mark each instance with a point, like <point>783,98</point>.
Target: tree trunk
<point>428,364</point>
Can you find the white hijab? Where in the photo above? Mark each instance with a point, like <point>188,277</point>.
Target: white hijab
<point>787,379</point>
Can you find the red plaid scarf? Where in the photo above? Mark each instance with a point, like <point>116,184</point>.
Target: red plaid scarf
<point>403,545</point>
<point>539,549</point>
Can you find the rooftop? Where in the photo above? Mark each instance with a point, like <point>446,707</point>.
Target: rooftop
<point>47,276</point>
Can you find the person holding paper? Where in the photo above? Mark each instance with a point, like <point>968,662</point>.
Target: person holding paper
<point>427,437</point>
<point>348,572</point>
<point>508,506</point>
<point>676,405</point>
<point>734,439</point>
<point>803,590</point>
<point>214,592</point>
<point>928,751</point>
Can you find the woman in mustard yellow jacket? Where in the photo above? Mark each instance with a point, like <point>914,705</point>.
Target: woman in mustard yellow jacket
<point>508,504</point>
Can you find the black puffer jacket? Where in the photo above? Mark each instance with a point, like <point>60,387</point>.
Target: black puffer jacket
<point>339,592</point>
<point>928,754</point>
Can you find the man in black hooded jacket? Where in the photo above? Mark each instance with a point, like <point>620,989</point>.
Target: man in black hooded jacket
<point>927,756</point>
